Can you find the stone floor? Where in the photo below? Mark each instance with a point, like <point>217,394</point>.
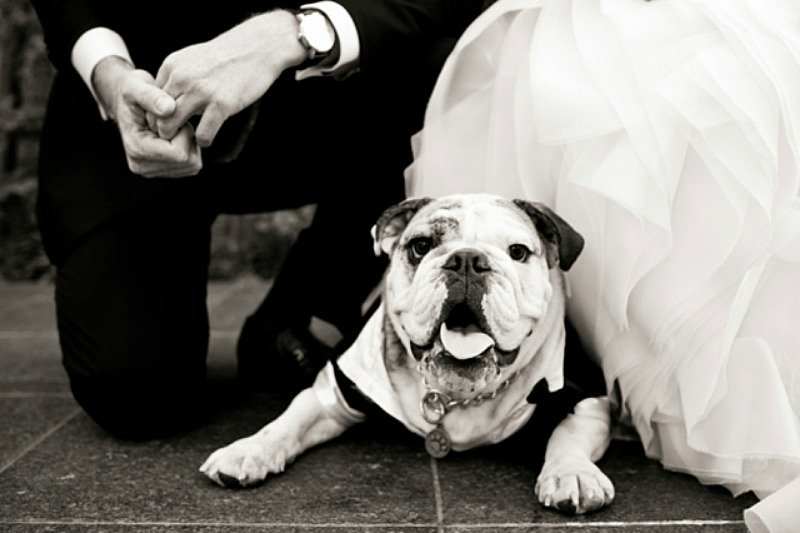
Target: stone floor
<point>60,472</point>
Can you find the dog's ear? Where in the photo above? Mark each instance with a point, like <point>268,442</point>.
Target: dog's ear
<point>564,244</point>
<point>393,221</point>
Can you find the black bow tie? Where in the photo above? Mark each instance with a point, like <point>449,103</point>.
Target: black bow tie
<point>540,392</point>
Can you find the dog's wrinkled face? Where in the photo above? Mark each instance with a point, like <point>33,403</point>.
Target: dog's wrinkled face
<point>469,280</point>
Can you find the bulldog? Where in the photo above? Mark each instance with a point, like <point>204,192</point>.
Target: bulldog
<point>471,323</point>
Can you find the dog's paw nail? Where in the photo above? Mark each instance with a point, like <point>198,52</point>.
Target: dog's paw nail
<point>229,481</point>
<point>567,506</point>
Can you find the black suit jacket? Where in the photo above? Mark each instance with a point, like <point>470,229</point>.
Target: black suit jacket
<point>389,30</point>
<point>83,175</point>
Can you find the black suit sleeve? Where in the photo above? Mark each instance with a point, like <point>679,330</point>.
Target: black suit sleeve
<point>63,22</point>
<point>394,33</point>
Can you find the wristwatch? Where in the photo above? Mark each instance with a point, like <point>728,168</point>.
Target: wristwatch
<point>316,34</point>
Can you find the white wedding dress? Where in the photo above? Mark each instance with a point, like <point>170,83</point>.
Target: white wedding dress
<point>668,134</point>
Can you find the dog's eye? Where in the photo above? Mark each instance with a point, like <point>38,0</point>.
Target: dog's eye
<point>519,252</point>
<point>421,246</point>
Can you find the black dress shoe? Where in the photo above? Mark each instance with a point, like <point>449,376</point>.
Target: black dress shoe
<point>308,354</point>
<point>273,359</point>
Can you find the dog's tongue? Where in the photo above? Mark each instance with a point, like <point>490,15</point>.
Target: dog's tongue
<point>465,343</point>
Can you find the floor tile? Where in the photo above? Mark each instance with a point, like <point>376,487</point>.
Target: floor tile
<point>228,311</point>
<point>24,419</point>
<point>31,360</point>
<point>27,308</point>
<point>217,288</point>
<point>496,487</point>
<point>20,289</point>
<point>221,362</point>
<point>368,476</point>
<point>25,389</point>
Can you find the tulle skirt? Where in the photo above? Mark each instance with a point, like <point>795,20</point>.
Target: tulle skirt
<point>667,133</point>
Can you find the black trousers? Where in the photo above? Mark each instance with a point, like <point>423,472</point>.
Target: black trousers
<point>131,290</point>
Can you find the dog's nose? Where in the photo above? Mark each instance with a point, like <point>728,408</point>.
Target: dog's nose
<point>468,262</point>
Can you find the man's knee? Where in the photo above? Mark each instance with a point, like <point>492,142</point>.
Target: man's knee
<point>139,384</point>
<point>137,407</point>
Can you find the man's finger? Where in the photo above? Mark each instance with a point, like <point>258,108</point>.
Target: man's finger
<point>144,146</point>
<point>163,73</point>
<point>184,140</point>
<point>156,169</point>
<point>184,144</point>
<point>177,173</point>
<point>152,122</point>
<point>151,98</point>
<point>187,106</point>
<point>210,123</point>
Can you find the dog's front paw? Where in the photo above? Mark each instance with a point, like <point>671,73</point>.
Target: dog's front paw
<point>573,485</point>
<point>244,463</point>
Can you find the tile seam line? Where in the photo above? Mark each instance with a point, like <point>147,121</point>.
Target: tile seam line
<point>40,439</point>
<point>325,525</point>
<point>549,525</point>
<point>585,525</point>
<point>49,334</point>
<point>437,495</point>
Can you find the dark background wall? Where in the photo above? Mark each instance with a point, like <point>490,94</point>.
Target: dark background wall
<point>244,243</point>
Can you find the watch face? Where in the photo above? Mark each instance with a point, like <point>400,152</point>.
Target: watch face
<point>318,32</point>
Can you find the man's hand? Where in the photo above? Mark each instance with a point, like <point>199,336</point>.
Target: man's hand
<point>127,96</point>
<point>221,77</point>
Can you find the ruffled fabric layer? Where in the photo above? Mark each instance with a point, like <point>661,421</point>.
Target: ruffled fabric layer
<point>667,133</point>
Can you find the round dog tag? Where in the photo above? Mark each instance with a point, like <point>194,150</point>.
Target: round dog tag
<point>437,442</point>
<point>432,407</point>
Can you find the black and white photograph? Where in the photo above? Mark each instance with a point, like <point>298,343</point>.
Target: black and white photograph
<point>400,265</point>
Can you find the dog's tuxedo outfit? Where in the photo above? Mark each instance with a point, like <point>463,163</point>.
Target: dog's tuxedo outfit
<point>358,383</point>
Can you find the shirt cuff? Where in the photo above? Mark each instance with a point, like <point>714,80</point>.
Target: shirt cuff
<point>92,47</point>
<point>349,46</point>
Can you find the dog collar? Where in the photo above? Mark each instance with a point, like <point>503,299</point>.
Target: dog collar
<point>435,405</point>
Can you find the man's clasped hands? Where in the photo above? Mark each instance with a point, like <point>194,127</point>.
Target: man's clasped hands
<point>213,80</point>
